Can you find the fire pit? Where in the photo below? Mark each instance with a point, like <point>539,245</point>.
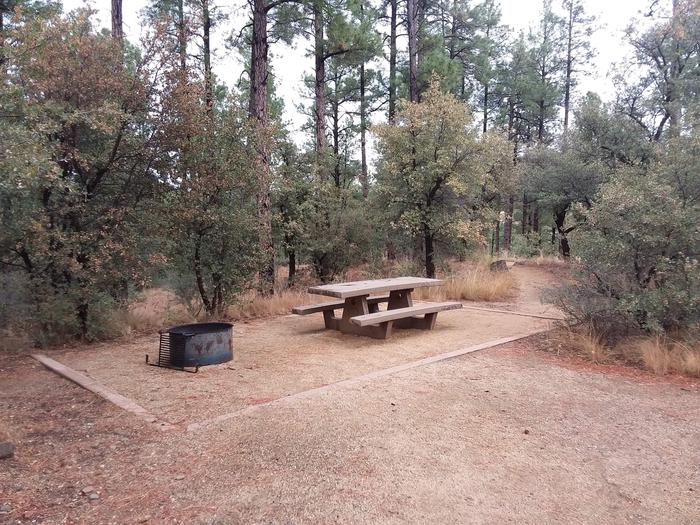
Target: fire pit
<point>194,345</point>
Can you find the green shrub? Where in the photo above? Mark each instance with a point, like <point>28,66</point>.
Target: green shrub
<point>638,255</point>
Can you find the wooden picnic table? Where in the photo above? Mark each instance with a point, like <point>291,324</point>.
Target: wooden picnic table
<point>360,304</point>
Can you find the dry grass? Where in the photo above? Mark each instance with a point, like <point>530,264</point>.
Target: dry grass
<point>255,306</point>
<point>13,339</point>
<point>155,309</point>
<point>475,283</point>
<point>549,262</point>
<point>581,341</point>
<point>159,307</point>
<point>660,355</point>
<point>663,355</point>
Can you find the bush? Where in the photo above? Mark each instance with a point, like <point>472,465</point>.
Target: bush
<point>638,257</point>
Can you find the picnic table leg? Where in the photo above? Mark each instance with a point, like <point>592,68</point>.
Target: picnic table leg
<point>399,299</point>
<point>402,299</point>
<point>330,320</point>
<point>358,306</point>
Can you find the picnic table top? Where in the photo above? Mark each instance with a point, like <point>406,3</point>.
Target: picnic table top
<point>358,288</point>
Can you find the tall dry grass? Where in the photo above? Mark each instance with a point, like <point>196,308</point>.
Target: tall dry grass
<point>159,307</point>
<point>663,355</point>
<point>156,308</point>
<point>472,283</point>
<point>253,306</point>
<point>548,262</point>
<point>582,341</point>
<point>658,354</point>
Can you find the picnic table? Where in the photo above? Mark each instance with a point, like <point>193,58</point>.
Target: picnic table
<point>360,300</point>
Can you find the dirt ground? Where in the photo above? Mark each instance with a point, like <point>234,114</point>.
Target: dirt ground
<point>507,434</point>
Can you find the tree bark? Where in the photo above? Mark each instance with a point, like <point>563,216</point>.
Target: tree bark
<point>559,222</point>
<point>486,83</point>
<point>429,252</point>
<point>117,22</point>
<point>335,122</point>
<point>320,81</point>
<point>392,59</point>
<point>497,234</point>
<point>673,106</point>
<point>412,23</point>
<point>199,276</point>
<point>508,225</point>
<point>486,107</point>
<point>569,66</point>
<point>364,177</point>
<point>206,51</point>
<point>258,113</point>
<point>2,40</point>
<point>181,35</point>
<point>292,256</point>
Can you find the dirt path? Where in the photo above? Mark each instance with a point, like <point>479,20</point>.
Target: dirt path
<point>532,282</point>
<point>501,435</point>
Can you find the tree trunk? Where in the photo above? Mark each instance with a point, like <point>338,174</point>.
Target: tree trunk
<point>392,59</point>
<point>117,22</point>
<point>206,51</point>
<point>83,316</point>
<point>673,106</point>
<point>429,252</point>
<point>412,22</point>
<point>257,106</point>
<point>559,222</point>
<point>2,41</point>
<point>569,64</point>
<point>335,122</point>
<point>258,113</point>
<point>497,234</point>
<point>524,222</point>
<point>486,106</point>
<point>390,247</point>
<point>217,300</point>
<point>364,177</point>
<point>508,225</point>
<point>319,82</point>
<point>292,255</point>
<point>181,35</point>
<point>199,276</point>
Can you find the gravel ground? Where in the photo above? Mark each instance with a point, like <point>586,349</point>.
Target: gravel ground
<point>277,357</point>
<point>508,434</point>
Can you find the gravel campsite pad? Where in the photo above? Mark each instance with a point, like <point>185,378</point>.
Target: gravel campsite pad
<point>503,434</point>
<point>275,358</point>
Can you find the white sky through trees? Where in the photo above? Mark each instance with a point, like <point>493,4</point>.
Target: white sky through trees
<point>290,64</point>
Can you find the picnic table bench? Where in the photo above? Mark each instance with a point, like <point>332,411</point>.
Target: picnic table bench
<point>361,314</point>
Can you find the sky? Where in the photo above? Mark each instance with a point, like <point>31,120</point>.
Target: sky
<point>290,64</point>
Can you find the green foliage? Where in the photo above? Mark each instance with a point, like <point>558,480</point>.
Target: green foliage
<point>434,169</point>
<point>319,220</point>
<point>120,161</point>
<point>639,254</point>
<point>601,135</point>
<point>665,64</point>
<point>337,233</point>
<point>211,221</point>
<point>74,182</point>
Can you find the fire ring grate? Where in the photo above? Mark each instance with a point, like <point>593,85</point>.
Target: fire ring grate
<point>189,346</point>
